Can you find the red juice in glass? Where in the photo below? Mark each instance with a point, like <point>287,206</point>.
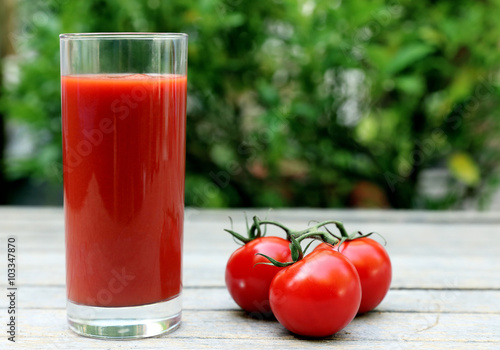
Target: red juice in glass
<point>123,147</point>
<point>123,122</point>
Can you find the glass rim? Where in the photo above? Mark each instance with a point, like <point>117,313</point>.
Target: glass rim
<point>121,35</point>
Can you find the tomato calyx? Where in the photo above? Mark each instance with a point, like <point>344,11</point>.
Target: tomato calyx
<point>296,237</point>
<point>315,232</point>
<point>296,252</point>
<point>253,232</point>
<point>318,232</point>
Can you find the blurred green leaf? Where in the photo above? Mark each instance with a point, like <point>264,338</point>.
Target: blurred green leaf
<point>411,84</point>
<point>306,101</point>
<point>407,56</point>
<point>464,168</point>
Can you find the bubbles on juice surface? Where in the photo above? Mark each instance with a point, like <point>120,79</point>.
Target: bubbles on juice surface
<point>139,76</point>
<point>132,76</point>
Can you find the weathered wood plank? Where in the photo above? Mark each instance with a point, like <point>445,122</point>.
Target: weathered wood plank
<point>420,238</point>
<point>303,214</point>
<point>348,215</point>
<point>420,300</point>
<point>46,325</point>
<point>206,268</point>
<point>405,238</point>
<point>446,290</point>
<point>167,342</point>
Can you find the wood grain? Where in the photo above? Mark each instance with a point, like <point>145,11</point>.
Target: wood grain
<point>445,292</point>
<point>218,299</point>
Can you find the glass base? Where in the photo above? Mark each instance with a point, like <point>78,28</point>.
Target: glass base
<point>125,322</point>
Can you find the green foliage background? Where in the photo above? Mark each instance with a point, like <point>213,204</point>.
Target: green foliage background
<point>298,103</point>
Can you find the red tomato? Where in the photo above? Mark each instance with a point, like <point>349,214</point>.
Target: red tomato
<point>318,295</point>
<point>249,283</point>
<point>374,269</point>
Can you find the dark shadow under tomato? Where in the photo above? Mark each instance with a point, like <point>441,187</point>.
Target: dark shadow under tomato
<point>266,317</point>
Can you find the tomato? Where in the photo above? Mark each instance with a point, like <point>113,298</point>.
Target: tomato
<point>249,283</point>
<point>374,269</point>
<point>318,295</point>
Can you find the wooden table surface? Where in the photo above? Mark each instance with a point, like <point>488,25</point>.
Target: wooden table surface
<point>445,292</point>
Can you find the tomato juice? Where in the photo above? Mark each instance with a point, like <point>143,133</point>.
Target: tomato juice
<point>123,164</point>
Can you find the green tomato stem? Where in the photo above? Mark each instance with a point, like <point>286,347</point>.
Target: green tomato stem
<point>319,235</point>
<point>269,222</point>
<point>338,224</point>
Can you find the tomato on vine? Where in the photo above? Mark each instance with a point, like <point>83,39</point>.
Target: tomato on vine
<point>369,257</point>
<point>313,295</point>
<point>316,296</point>
<point>373,266</point>
<point>247,279</point>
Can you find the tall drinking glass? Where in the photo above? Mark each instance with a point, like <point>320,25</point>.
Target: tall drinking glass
<point>123,118</point>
